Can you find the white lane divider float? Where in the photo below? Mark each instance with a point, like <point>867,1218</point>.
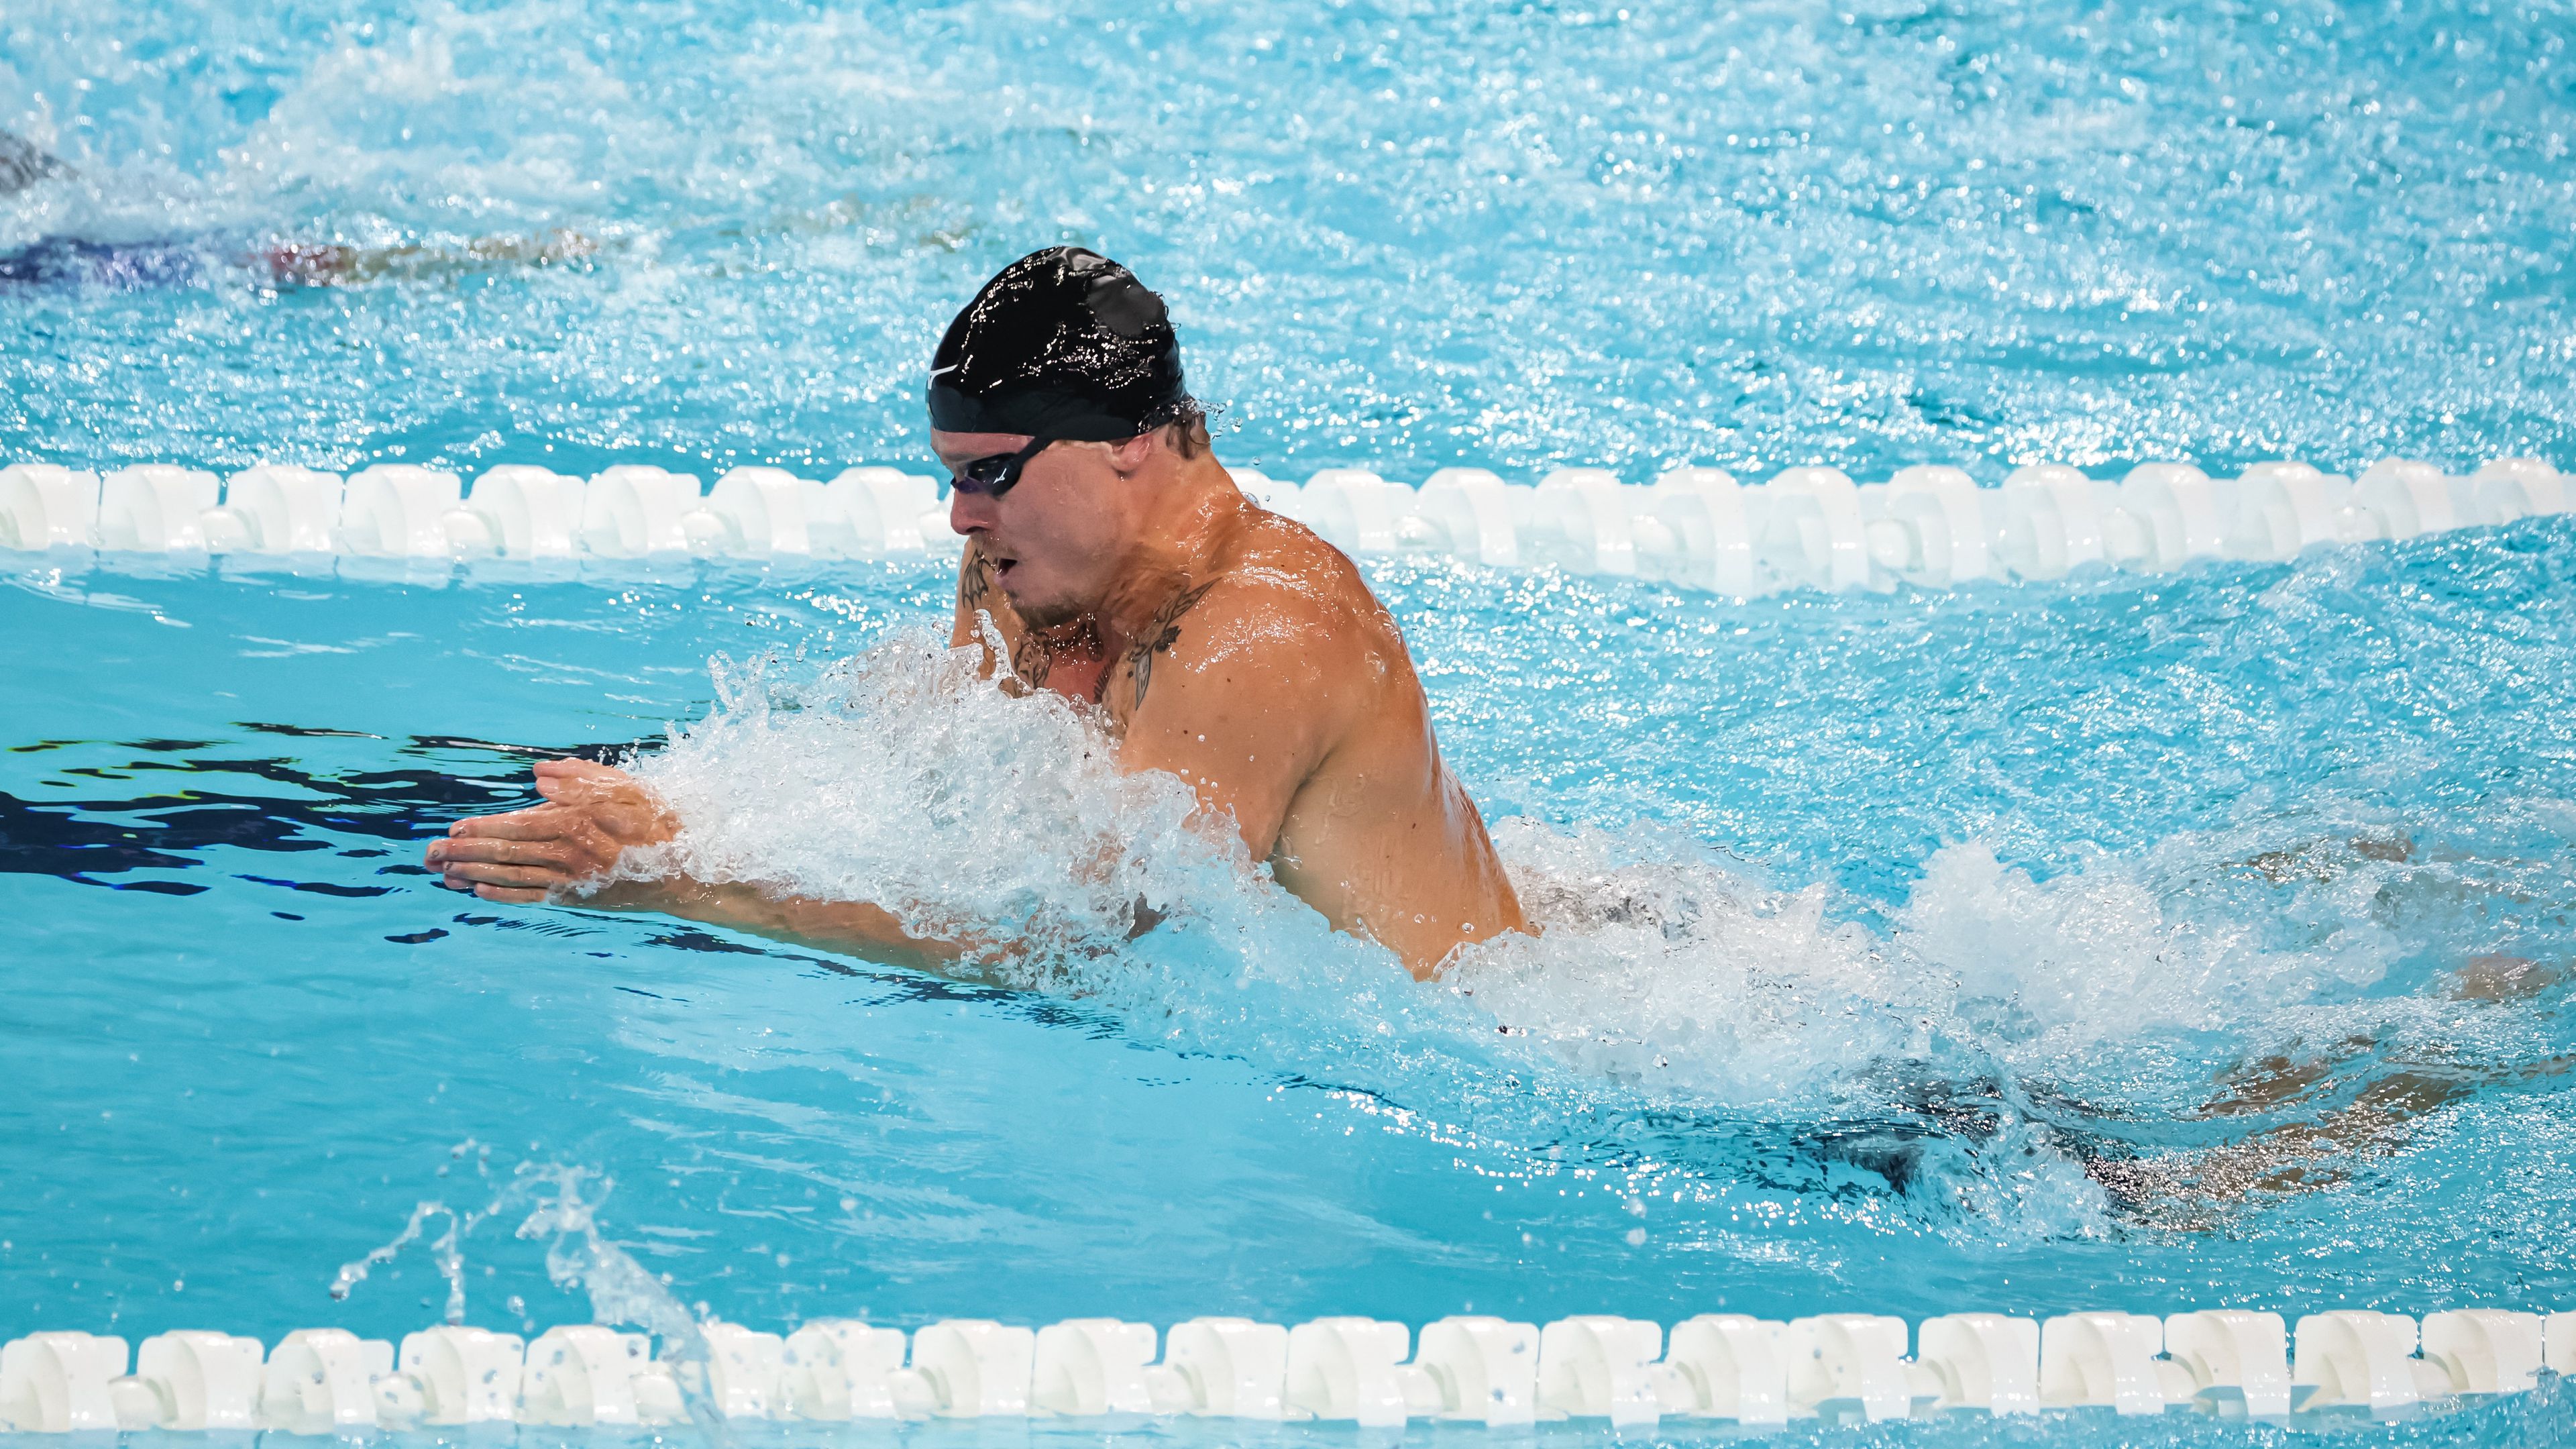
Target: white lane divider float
<point>1470,514</point>
<point>1086,1367</point>
<point>2168,515</point>
<point>586,1374</point>
<point>280,511</point>
<point>321,1380</point>
<point>528,512</point>
<point>1927,526</point>
<point>1359,512</point>
<point>155,507</point>
<point>1848,1368</point>
<point>1349,1369</point>
<point>453,1375</point>
<point>838,1369</point>
<point>635,511</point>
<point>1808,528</point>
<point>1223,1368</point>
<point>1584,520</point>
<point>1695,528</point>
<point>2052,517</point>
<point>46,506</point>
<point>195,1380</point>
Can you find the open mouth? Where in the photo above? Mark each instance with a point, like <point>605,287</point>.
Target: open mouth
<point>1002,568</point>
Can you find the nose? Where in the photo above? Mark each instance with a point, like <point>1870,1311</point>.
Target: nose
<point>969,513</point>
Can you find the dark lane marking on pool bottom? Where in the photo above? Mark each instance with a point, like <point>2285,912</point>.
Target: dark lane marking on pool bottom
<point>303,732</point>
<point>46,840</point>
<point>321,888</point>
<point>417,938</point>
<point>89,836</point>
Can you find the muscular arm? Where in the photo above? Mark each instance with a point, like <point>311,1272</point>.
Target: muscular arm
<point>1240,689</point>
<point>594,814</point>
<point>853,927</point>
<point>1285,699</point>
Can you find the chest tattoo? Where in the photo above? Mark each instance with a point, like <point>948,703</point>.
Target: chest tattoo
<point>1158,638</point>
<point>1036,652</point>
<point>1032,661</point>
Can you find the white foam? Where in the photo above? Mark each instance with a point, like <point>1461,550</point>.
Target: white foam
<point>902,779</point>
<point>1658,972</point>
<point>1659,969</point>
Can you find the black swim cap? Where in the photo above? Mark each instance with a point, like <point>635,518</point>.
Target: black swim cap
<point>1062,344</point>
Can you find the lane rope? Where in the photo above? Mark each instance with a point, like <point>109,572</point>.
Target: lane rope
<point>1836,1367</point>
<point>1929,527</point>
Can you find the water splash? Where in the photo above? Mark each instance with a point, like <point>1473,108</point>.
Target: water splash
<point>562,1210</point>
<point>1994,1045</point>
<point>620,1289</point>
<point>901,779</point>
<point>446,1251</point>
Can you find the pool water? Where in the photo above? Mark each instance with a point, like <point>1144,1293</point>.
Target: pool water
<point>2137,942</point>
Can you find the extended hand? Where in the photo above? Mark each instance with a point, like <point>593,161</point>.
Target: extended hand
<point>592,815</point>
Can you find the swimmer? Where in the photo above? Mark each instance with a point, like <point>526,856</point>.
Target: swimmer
<point>23,163</point>
<point>180,261</point>
<point>1111,560</point>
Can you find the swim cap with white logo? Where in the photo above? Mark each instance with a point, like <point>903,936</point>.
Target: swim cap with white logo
<point>1065,344</point>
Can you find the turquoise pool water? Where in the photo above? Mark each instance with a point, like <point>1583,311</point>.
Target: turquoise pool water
<point>2134,942</point>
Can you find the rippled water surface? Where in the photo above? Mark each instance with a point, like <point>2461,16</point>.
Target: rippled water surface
<point>2149,943</point>
<point>1513,236</point>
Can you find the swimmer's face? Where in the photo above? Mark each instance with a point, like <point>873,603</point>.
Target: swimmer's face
<point>1057,538</point>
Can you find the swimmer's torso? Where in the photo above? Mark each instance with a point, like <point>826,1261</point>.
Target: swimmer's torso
<point>1280,646</point>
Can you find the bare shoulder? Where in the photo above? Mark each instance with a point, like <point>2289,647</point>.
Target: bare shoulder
<point>1277,561</point>
<point>1279,585</point>
<point>1283,609</point>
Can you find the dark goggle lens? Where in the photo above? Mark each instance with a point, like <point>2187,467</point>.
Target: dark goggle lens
<point>996,475</point>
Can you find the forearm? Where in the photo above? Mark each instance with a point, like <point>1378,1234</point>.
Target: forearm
<point>852,927</point>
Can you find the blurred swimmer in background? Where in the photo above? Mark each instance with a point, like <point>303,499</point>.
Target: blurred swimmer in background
<point>178,261</point>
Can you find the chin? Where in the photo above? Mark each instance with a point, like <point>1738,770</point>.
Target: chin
<point>1041,613</point>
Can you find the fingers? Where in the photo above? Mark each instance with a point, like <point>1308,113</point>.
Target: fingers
<point>522,885</point>
<point>505,850</point>
<point>522,857</point>
<point>624,802</point>
<point>462,874</point>
<point>541,822</point>
<point>582,779</point>
<point>625,808</point>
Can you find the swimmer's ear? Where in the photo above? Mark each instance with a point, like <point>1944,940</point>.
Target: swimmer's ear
<point>1130,455</point>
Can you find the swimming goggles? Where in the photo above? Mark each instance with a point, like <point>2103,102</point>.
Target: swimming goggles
<point>993,476</point>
